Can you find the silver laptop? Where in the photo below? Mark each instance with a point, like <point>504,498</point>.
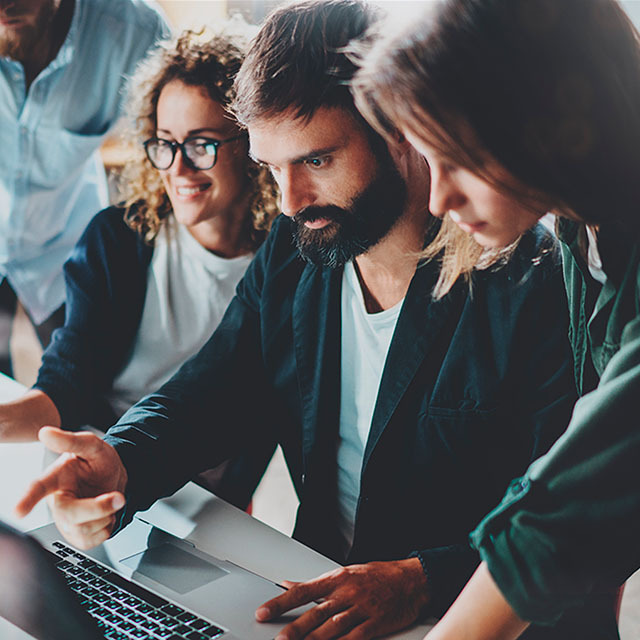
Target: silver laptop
<point>142,584</point>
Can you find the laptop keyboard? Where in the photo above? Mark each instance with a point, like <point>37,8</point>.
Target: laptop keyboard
<point>125,610</point>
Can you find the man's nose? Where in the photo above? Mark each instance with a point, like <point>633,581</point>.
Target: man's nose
<point>295,192</point>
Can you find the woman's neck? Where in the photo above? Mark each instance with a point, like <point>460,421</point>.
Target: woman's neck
<point>225,234</point>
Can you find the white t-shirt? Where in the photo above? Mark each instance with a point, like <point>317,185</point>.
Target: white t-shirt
<point>365,342</point>
<point>594,262</point>
<point>188,290</point>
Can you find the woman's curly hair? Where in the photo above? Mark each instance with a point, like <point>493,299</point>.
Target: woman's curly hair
<point>199,61</point>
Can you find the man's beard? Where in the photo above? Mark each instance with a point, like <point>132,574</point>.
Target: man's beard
<point>18,43</point>
<point>353,230</point>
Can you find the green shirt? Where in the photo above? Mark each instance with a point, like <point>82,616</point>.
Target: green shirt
<point>570,527</point>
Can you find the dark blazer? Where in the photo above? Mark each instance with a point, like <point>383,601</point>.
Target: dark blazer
<point>474,388</point>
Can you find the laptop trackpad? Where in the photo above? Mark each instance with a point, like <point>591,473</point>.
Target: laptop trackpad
<point>174,568</point>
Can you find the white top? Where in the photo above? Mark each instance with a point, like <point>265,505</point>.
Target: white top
<point>594,262</point>
<point>52,181</point>
<point>365,343</point>
<point>188,291</point>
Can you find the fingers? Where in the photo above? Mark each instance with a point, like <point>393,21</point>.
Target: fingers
<point>358,602</point>
<point>37,490</point>
<point>77,511</point>
<point>89,534</point>
<point>299,593</point>
<point>60,441</point>
<point>88,466</point>
<point>85,522</point>
<point>324,621</point>
<point>365,631</point>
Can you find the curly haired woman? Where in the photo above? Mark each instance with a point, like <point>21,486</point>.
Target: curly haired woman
<point>150,280</point>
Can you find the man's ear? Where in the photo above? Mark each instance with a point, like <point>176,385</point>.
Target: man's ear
<point>399,142</point>
<point>398,146</point>
<point>398,137</point>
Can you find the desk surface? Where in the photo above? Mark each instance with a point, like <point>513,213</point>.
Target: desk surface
<point>213,525</point>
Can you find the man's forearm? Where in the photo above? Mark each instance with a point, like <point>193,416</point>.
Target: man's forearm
<point>21,419</point>
<point>479,613</point>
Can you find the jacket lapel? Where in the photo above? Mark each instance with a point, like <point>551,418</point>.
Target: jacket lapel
<point>424,325</point>
<point>316,337</point>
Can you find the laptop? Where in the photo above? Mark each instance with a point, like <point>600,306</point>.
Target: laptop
<point>144,583</point>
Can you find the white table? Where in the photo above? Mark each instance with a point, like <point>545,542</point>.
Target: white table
<point>212,524</point>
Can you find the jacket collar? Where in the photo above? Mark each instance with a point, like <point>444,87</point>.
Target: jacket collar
<point>422,331</point>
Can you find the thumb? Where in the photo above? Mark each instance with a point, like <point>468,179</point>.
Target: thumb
<point>83,443</point>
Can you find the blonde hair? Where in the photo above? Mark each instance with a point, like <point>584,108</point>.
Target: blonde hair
<point>200,60</point>
<point>460,255</point>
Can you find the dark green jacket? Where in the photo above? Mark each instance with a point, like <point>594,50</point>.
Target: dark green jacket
<point>570,527</point>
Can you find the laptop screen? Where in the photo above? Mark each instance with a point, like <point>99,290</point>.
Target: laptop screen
<point>34,596</point>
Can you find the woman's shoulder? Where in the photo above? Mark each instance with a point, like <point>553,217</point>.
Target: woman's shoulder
<point>113,217</point>
<point>531,270</point>
<point>111,222</point>
<point>109,234</point>
<point>537,256</point>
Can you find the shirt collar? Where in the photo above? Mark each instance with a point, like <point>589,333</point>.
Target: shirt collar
<point>614,245</point>
<point>67,50</point>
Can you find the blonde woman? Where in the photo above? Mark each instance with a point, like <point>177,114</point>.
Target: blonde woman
<point>522,107</point>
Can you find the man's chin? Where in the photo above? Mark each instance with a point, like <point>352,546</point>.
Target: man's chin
<point>332,253</point>
<point>325,259</point>
<point>16,43</point>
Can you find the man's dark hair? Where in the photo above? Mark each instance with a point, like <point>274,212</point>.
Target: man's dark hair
<point>296,61</point>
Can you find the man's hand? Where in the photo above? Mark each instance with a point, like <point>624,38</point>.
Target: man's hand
<point>84,487</point>
<point>357,602</point>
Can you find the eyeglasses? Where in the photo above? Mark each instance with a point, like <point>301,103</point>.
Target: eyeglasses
<point>198,152</point>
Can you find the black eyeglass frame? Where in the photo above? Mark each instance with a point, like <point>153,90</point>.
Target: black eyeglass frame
<point>174,145</point>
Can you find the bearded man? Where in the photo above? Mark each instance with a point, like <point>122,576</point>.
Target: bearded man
<point>402,417</point>
<point>63,64</point>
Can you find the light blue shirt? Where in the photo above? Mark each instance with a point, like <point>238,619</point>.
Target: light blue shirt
<point>52,181</point>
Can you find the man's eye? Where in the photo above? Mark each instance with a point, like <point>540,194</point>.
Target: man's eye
<point>318,162</point>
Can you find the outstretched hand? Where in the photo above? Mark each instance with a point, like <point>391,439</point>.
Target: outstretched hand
<point>84,487</point>
<point>357,602</point>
